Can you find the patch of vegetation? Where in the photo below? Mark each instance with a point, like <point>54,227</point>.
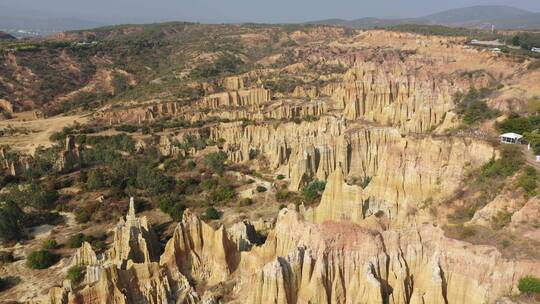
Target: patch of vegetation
<point>216,161</point>
<point>534,65</point>
<point>261,189</point>
<point>225,65</point>
<point>6,257</point>
<point>440,30</point>
<point>221,194</point>
<point>313,191</point>
<point>246,202</point>
<point>75,274</point>
<point>526,40</point>
<point>365,182</point>
<point>501,219</point>
<point>49,244</point>
<point>490,179</point>
<point>529,285</point>
<point>282,195</point>
<point>509,163</point>
<point>40,259</point>
<point>473,108</point>
<point>11,222</point>
<point>173,206</point>
<point>127,128</point>
<point>32,195</point>
<point>212,214</point>
<point>285,85</point>
<point>95,180</point>
<point>76,241</point>
<point>528,181</point>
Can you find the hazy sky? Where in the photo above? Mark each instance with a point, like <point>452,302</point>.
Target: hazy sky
<point>250,10</point>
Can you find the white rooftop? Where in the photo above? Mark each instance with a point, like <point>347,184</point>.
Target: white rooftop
<point>512,136</point>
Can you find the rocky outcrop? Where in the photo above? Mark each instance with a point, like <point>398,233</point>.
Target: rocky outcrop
<point>394,94</point>
<point>306,262</point>
<point>14,164</point>
<point>339,202</point>
<point>69,159</point>
<point>404,173</point>
<point>199,252</point>
<point>5,106</point>
<point>133,240</point>
<point>233,83</point>
<point>127,273</point>
<point>240,98</point>
<point>344,263</point>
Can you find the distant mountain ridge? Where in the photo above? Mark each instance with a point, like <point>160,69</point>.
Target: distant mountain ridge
<point>482,16</point>
<point>6,36</point>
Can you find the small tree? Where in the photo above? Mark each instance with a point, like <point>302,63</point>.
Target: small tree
<point>246,202</point>
<point>49,244</point>
<point>11,217</point>
<point>213,214</point>
<point>76,240</point>
<point>40,259</point>
<point>95,180</point>
<point>76,274</point>
<point>216,161</point>
<point>261,189</point>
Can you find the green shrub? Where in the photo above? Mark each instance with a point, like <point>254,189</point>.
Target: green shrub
<point>529,285</point>
<point>40,259</point>
<point>76,241</point>
<point>518,124</point>
<point>127,128</point>
<point>49,244</point>
<point>212,213</point>
<point>473,109</point>
<point>501,219</point>
<point>365,182</point>
<point>246,202</point>
<point>11,218</point>
<point>95,180</point>
<point>173,206</point>
<point>76,274</point>
<point>222,194</point>
<point>509,163</point>
<point>281,177</point>
<point>282,195</point>
<point>6,257</point>
<point>282,206</point>
<point>154,181</point>
<point>261,189</point>
<point>313,191</point>
<point>216,161</point>
<point>4,284</point>
<point>528,181</point>
<point>82,215</point>
<point>34,195</point>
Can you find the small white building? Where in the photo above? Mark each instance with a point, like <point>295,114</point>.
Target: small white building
<point>535,49</point>
<point>511,138</point>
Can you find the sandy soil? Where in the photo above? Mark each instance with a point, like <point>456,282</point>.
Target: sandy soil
<point>39,131</point>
